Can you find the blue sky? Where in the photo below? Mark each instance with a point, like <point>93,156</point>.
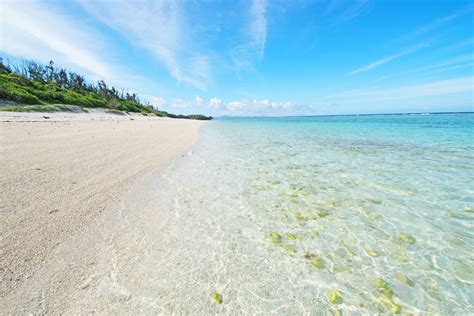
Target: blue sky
<point>258,57</point>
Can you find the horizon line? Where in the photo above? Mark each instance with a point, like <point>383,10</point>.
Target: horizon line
<point>353,114</point>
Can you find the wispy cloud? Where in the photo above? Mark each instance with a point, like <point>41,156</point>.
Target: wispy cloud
<point>160,28</point>
<point>255,35</point>
<point>458,62</point>
<point>258,26</point>
<point>34,30</point>
<point>343,10</point>
<point>422,30</point>
<point>437,23</point>
<point>430,89</point>
<point>469,65</point>
<point>461,44</point>
<point>354,10</point>
<point>387,59</point>
<point>42,31</point>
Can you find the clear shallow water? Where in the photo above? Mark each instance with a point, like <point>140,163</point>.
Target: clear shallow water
<point>275,214</point>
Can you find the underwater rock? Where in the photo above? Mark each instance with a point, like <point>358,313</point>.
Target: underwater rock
<point>386,295</point>
<point>302,217</point>
<point>291,250</point>
<point>292,236</point>
<point>335,297</point>
<point>390,304</point>
<point>336,312</point>
<point>308,255</point>
<point>381,283</point>
<point>315,261</point>
<point>217,298</point>
<point>372,253</point>
<point>322,213</point>
<point>407,238</point>
<point>384,287</point>
<point>434,287</point>
<point>404,279</point>
<point>402,256</point>
<point>276,237</point>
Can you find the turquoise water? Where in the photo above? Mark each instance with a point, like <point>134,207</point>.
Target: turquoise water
<point>358,214</point>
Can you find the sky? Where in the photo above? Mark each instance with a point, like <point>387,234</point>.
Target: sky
<point>258,57</point>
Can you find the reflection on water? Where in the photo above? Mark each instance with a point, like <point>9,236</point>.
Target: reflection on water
<point>352,214</point>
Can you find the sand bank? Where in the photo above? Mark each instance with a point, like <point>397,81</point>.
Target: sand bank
<point>61,175</point>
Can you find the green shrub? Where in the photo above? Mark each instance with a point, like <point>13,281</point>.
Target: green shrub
<point>18,95</point>
<point>35,108</point>
<point>47,95</point>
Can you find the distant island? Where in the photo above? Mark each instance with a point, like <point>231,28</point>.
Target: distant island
<point>32,86</point>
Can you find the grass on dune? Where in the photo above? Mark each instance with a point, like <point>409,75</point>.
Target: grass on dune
<point>40,88</point>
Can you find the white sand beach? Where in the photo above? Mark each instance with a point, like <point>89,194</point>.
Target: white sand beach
<point>64,176</point>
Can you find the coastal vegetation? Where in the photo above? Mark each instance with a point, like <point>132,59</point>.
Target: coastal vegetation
<point>32,86</point>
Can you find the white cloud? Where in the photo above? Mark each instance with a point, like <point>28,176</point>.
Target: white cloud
<point>160,28</point>
<point>237,106</point>
<point>181,103</point>
<point>34,30</point>
<point>287,106</point>
<point>215,103</point>
<point>259,106</point>
<point>199,101</point>
<point>217,106</point>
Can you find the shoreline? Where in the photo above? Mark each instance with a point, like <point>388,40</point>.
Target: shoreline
<point>91,115</point>
<point>62,179</point>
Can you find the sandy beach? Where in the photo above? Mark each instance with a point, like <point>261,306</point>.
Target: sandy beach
<point>63,178</point>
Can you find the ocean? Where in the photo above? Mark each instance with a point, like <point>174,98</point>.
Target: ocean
<point>304,215</point>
